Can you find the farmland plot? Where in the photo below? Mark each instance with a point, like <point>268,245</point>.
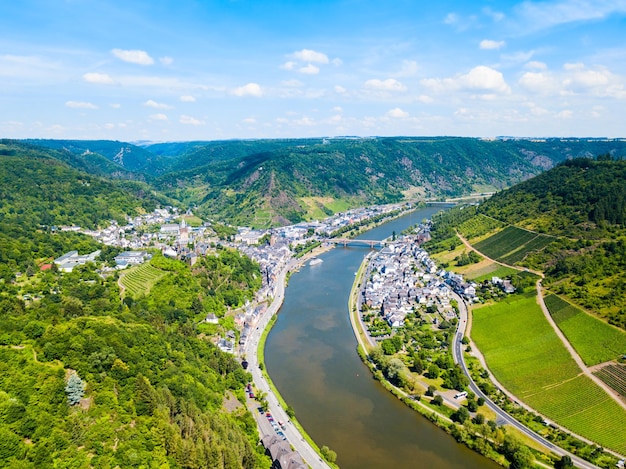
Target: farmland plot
<point>526,356</point>
<point>139,280</point>
<point>614,375</point>
<point>594,340</point>
<point>512,244</point>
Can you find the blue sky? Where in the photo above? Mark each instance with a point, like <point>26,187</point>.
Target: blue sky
<point>181,70</point>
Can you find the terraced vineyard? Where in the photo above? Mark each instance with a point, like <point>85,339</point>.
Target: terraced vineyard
<point>139,280</point>
<point>594,340</point>
<point>478,226</point>
<point>512,244</point>
<point>614,375</point>
<point>528,358</point>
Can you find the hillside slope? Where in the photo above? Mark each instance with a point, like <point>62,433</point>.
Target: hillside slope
<point>39,190</point>
<point>581,204</point>
<point>273,180</point>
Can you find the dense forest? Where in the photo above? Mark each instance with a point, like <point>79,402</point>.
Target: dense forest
<point>581,203</point>
<point>87,380</point>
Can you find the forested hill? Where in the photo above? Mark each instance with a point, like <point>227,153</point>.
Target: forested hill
<point>39,190</point>
<point>280,181</point>
<point>578,198</point>
<point>581,205</point>
<point>286,181</point>
<point>125,159</point>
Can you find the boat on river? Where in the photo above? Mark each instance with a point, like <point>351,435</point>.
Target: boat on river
<point>315,261</point>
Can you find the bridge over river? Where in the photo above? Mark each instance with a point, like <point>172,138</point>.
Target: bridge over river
<point>357,242</point>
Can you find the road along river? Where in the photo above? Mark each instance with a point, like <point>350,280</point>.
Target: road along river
<point>311,357</point>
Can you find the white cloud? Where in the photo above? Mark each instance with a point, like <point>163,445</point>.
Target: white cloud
<point>290,65</point>
<point>187,99</point>
<point>397,113</point>
<point>158,117</point>
<point>138,57</point>
<point>98,78</point>
<point>80,105</point>
<point>249,120</point>
<point>565,114</point>
<point>166,60</point>
<point>251,89</point>
<point>308,55</point>
<point>575,79</point>
<point>309,69</point>
<point>539,82</point>
<point>425,99</point>
<point>115,105</point>
<point>484,78</point>
<point>188,120</point>
<point>337,109</point>
<point>390,84</point>
<point>155,105</point>
<point>340,89</point>
<point>539,15</point>
<point>480,78</point>
<point>488,44</point>
<point>535,65</point>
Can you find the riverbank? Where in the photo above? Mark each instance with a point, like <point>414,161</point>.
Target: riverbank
<point>298,438</point>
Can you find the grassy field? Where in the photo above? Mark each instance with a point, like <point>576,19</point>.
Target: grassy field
<point>192,220</point>
<point>594,340</point>
<point>527,357</point>
<point>139,280</point>
<point>498,271</point>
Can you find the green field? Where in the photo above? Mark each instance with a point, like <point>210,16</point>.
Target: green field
<point>139,280</point>
<point>497,271</point>
<point>526,356</point>
<point>512,244</point>
<point>594,340</point>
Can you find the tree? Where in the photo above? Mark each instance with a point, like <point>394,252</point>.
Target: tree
<point>461,415</point>
<point>290,412</point>
<point>433,371</point>
<point>519,456</point>
<point>437,400</point>
<point>75,389</point>
<point>564,463</point>
<point>395,367</point>
<point>328,454</point>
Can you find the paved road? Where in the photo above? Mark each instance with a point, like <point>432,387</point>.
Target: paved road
<point>293,435</point>
<point>502,416</point>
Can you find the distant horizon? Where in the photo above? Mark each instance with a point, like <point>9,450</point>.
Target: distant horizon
<point>240,69</point>
<point>322,137</point>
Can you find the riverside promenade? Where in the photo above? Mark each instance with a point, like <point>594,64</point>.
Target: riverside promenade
<point>294,436</point>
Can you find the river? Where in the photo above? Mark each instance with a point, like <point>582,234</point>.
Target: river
<point>311,356</point>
